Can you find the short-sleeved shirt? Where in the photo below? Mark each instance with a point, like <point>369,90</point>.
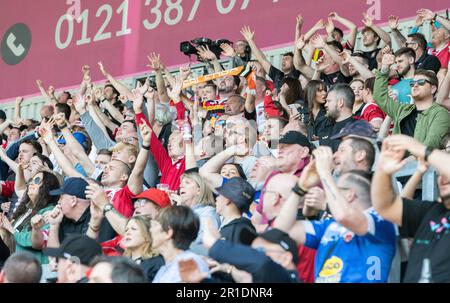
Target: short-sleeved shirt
<point>371,112</point>
<point>277,76</point>
<point>334,129</point>
<point>121,199</point>
<point>428,223</point>
<point>442,54</point>
<point>343,256</point>
<point>334,78</point>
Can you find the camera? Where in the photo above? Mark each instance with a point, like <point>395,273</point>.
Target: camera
<point>190,47</point>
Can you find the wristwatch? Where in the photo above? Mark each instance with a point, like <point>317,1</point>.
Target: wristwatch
<point>108,207</point>
<point>298,190</point>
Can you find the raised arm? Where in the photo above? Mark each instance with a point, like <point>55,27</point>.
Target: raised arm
<point>398,36</point>
<point>443,94</point>
<point>298,26</point>
<point>368,21</point>
<point>249,36</point>
<point>136,179</point>
<point>317,27</point>
<point>351,39</point>
<point>350,217</point>
<point>86,79</point>
<point>4,157</point>
<point>410,187</point>
<point>44,93</point>
<point>76,148</point>
<point>156,64</point>
<point>21,184</point>
<point>317,41</point>
<point>361,68</point>
<point>210,171</point>
<point>429,15</point>
<point>299,61</point>
<point>384,200</point>
<point>65,164</point>
<point>208,56</point>
<point>121,88</point>
<point>17,107</point>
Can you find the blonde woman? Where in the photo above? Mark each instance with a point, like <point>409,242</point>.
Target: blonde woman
<point>195,194</point>
<point>137,242</point>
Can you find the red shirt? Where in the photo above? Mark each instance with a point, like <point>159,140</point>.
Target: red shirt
<point>443,55</point>
<point>7,188</point>
<point>122,200</point>
<point>372,111</point>
<point>171,171</point>
<point>112,247</point>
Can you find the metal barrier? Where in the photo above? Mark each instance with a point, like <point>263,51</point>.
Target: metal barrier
<point>430,191</point>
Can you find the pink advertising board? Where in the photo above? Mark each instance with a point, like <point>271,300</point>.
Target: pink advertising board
<point>39,41</point>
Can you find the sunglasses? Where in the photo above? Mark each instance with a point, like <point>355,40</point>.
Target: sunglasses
<point>36,181</point>
<point>420,82</point>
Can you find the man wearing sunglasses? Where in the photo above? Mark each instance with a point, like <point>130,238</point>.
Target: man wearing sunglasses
<point>424,119</point>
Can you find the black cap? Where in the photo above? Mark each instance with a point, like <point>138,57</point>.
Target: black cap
<point>294,137</point>
<point>73,187</point>
<point>273,235</point>
<point>79,246</point>
<point>239,191</point>
<point>358,128</point>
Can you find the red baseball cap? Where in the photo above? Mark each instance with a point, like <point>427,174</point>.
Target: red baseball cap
<point>156,196</point>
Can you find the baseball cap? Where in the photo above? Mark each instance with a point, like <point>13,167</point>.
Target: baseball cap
<point>156,196</point>
<point>77,246</point>
<point>73,187</point>
<point>273,235</point>
<point>80,137</point>
<point>294,137</point>
<point>358,128</point>
<point>239,191</point>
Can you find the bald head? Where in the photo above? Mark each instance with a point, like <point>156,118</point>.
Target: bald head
<point>47,111</point>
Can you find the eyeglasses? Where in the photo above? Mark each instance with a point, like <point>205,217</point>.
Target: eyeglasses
<point>420,82</point>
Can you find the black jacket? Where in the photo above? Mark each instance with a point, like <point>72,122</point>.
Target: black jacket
<point>232,230</point>
<point>260,266</point>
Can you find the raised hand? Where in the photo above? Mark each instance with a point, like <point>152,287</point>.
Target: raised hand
<point>6,224</point>
<point>98,94</point>
<point>317,41</point>
<point>321,66</point>
<point>190,272</point>
<point>391,159</point>
<point>333,15</point>
<point>155,62</point>
<point>315,198</point>
<point>205,53</point>
<point>329,25</point>
<point>247,33</point>
<point>299,20</point>
<point>80,104</point>
<point>102,69</point>
<point>345,56</point>
<point>309,177</point>
<point>227,50</point>
<point>319,25</point>
<point>403,142</point>
<point>150,94</point>
<point>39,83</point>
<point>425,14</point>
<point>367,20</point>
<point>300,44</point>
<point>51,90</point>
<point>60,119</point>
<point>419,21</point>
<point>393,22</point>
<point>96,194</point>
<point>185,72</point>
<point>56,216</point>
<point>86,74</point>
<point>387,61</point>
<point>324,159</point>
<point>146,133</point>
<point>19,101</point>
<point>175,92</point>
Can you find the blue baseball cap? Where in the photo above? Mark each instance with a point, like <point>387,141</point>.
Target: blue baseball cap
<point>72,187</point>
<point>238,191</point>
<point>80,137</point>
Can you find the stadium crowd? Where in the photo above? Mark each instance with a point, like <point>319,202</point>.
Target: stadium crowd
<point>261,175</point>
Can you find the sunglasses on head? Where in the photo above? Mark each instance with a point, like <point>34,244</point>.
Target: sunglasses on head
<point>420,82</point>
